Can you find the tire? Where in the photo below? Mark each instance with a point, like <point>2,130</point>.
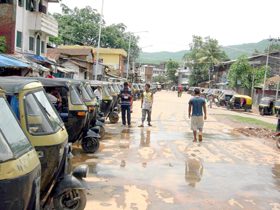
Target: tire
<point>278,142</point>
<point>227,107</point>
<point>262,112</point>
<point>101,131</point>
<point>90,144</point>
<point>114,118</point>
<point>60,202</point>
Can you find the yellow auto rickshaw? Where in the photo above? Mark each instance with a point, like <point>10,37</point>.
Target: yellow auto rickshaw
<point>277,108</point>
<point>266,106</point>
<point>240,102</point>
<point>20,168</point>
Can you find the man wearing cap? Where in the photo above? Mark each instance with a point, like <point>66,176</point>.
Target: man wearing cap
<point>126,96</point>
<point>196,104</point>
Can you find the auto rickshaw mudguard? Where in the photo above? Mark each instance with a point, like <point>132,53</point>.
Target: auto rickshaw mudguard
<point>99,123</point>
<point>69,182</point>
<point>90,133</point>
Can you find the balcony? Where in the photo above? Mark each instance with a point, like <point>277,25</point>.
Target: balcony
<point>40,22</point>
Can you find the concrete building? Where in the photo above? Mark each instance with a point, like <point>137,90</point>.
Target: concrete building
<point>27,26</point>
<point>146,73</point>
<point>184,76</point>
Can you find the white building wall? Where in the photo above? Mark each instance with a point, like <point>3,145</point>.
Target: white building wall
<point>73,67</point>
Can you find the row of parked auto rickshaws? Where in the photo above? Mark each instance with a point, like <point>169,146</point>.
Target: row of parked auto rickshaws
<point>35,153</point>
<point>233,100</point>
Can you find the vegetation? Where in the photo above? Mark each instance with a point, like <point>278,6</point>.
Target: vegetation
<point>172,67</point>
<point>204,54</point>
<point>81,26</point>
<point>161,78</point>
<point>251,121</point>
<point>242,71</point>
<point>3,44</point>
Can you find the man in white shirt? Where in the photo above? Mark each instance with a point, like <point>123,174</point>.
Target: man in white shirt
<point>98,93</point>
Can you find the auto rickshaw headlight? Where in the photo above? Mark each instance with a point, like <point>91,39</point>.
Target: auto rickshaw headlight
<point>81,171</point>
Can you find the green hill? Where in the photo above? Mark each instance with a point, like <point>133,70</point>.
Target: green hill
<point>233,52</point>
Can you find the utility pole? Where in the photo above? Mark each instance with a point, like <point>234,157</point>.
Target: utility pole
<point>277,89</point>
<point>98,47</point>
<point>253,84</point>
<point>127,65</point>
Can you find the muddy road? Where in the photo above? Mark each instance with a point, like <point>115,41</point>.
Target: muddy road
<point>160,167</point>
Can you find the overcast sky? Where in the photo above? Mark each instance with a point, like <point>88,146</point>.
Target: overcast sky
<point>171,23</point>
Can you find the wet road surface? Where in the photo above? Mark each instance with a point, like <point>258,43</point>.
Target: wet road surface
<point>160,167</point>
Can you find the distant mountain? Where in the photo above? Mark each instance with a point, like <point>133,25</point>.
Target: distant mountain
<point>233,52</point>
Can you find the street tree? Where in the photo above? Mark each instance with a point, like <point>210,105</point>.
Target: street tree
<point>81,26</point>
<point>204,54</point>
<point>161,78</point>
<point>242,71</point>
<point>172,67</point>
<point>273,48</point>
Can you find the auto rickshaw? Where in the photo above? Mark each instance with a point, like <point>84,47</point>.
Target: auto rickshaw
<point>47,133</point>
<point>117,90</point>
<point>106,105</point>
<point>240,102</point>
<point>190,91</point>
<point>20,173</point>
<point>225,97</point>
<point>73,112</point>
<point>277,108</point>
<point>266,106</point>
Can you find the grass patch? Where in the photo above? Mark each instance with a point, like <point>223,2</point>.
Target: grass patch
<point>251,121</point>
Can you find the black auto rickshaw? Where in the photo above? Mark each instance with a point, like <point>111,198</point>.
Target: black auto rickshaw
<point>225,97</point>
<point>240,102</point>
<point>73,112</point>
<point>106,105</point>
<point>47,133</point>
<point>277,108</point>
<point>266,106</point>
<point>20,168</point>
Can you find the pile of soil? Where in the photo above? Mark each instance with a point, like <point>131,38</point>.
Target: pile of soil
<point>262,133</point>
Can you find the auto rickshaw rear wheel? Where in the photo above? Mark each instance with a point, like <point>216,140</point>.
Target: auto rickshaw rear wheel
<point>114,118</point>
<point>278,142</point>
<point>101,131</point>
<point>64,202</point>
<point>90,144</point>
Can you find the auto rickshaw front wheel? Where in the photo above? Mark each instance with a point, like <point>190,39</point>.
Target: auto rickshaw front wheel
<point>90,144</point>
<point>114,118</point>
<point>262,112</point>
<point>101,131</point>
<point>64,201</point>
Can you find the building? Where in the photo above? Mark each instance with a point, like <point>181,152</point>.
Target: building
<point>146,73</point>
<point>27,26</point>
<point>183,77</point>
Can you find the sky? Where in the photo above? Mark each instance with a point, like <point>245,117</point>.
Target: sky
<point>172,23</point>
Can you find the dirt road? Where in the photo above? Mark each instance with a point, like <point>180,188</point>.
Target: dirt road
<point>160,167</point>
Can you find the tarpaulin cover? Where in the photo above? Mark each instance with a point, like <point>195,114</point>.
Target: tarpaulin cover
<point>11,63</point>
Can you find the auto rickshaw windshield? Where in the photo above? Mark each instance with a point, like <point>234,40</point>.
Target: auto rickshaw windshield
<point>277,103</point>
<point>112,90</point>
<point>89,91</point>
<point>41,116</point>
<point>13,141</point>
<point>85,94</point>
<point>117,88</point>
<point>75,96</point>
<point>105,91</point>
<point>264,102</point>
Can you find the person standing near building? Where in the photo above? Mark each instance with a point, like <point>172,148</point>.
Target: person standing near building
<point>98,93</point>
<point>146,105</point>
<point>131,100</point>
<point>126,96</point>
<point>196,104</point>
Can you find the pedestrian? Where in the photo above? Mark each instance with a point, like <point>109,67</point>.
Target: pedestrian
<point>131,100</point>
<point>98,94</point>
<point>146,105</point>
<point>210,101</point>
<point>126,96</point>
<point>196,104</point>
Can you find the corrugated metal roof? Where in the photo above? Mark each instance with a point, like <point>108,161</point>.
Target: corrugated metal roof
<point>78,64</point>
<point>53,53</point>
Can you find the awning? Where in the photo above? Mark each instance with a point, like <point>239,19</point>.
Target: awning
<point>65,70</point>
<point>37,58</point>
<point>7,62</point>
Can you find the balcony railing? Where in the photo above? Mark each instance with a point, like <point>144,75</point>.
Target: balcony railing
<point>43,23</point>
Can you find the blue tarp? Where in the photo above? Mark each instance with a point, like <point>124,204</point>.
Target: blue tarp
<point>7,62</point>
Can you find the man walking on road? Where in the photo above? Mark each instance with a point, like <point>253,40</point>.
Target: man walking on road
<point>126,95</point>
<point>146,105</point>
<point>195,113</point>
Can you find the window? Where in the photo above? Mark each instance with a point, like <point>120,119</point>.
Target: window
<point>21,3</point>
<point>27,5</point>
<point>42,47</point>
<point>19,34</point>
<point>31,43</point>
<point>38,40</point>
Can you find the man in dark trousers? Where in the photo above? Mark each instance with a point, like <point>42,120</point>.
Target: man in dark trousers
<point>126,96</point>
<point>195,113</point>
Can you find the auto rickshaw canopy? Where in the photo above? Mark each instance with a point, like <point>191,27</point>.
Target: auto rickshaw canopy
<point>247,98</point>
<point>267,100</point>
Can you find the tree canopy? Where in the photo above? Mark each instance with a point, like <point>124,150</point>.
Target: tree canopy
<point>81,26</point>
<point>172,67</point>
<point>161,78</point>
<point>242,71</point>
<point>3,44</point>
<point>204,54</point>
